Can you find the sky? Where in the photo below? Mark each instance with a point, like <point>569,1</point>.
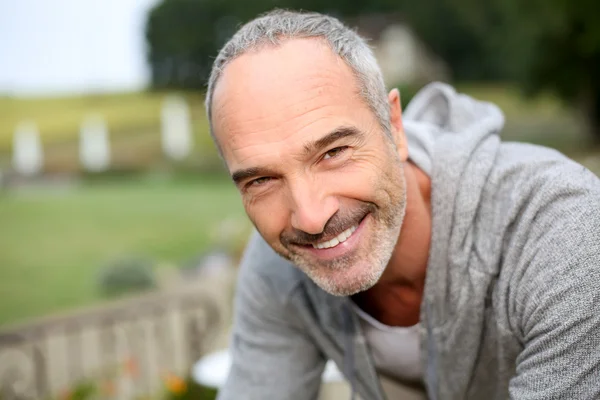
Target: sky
<point>61,47</point>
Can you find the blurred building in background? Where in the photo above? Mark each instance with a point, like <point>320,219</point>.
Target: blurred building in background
<point>404,58</point>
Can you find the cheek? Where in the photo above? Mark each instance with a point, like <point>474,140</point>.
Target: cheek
<point>360,180</point>
<point>269,217</point>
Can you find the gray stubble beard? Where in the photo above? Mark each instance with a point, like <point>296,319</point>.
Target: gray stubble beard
<point>383,243</point>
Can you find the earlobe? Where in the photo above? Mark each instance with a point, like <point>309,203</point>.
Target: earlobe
<point>396,123</point>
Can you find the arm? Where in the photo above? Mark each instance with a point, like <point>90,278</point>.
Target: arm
<point>273,358</point>
<point>559,313</point>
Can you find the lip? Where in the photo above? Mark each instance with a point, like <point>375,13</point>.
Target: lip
<point>342,249</point>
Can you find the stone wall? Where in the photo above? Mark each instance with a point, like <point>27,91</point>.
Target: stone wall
<point>128,346</point>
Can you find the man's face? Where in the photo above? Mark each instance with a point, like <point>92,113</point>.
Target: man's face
<point>319,178</point>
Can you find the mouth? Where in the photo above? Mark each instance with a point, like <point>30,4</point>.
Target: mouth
<point>341,238</point>
<point>342,245</point>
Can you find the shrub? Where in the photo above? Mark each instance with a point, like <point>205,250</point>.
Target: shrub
<point>126,275</point>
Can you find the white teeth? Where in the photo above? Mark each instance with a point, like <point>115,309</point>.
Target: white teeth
<point>341,238</point>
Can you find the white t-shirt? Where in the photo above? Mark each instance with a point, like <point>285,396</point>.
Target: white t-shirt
<point>396,350</point>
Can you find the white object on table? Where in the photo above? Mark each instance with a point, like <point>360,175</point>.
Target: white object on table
<point>213,369</point>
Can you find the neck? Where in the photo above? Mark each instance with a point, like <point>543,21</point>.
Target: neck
<point>408,264</point>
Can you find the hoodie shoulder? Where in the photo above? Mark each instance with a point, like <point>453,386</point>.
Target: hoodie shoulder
<point>549,206</point>
<point>543,167</point>
<point>534,192</point>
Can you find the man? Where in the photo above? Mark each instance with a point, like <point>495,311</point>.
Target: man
<point>419,247</point>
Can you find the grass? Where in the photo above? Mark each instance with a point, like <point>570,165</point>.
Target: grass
<point>59,119</point>
<point>53,242</point>
<point>133,121</point>
<point>513,103</point>
<point>543,120</point>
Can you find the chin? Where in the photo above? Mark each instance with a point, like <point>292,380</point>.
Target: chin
<point>347,282</point>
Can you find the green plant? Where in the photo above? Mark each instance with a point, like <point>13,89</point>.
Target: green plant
<point>84,390</point>
<point>125,275</point>
<point>180,389</point>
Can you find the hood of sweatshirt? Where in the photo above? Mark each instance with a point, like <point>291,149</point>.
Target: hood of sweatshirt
<point>455,140</point>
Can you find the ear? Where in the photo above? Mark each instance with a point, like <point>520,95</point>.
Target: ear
<point>396,124</point>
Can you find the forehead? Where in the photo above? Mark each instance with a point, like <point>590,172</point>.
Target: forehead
<point>274,100</point>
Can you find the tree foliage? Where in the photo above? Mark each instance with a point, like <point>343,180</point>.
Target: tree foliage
<point>565,55</point>
<point>543,44</point>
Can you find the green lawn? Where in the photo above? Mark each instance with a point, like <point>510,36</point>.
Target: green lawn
<point>52,242</point>
<point>59,119</point>
<point>543,120</point>
<point>133,121</point>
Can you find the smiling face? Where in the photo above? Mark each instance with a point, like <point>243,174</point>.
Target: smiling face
<point>319,178</point>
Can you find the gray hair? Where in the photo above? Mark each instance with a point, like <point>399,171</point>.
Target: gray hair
<point>279,25</point>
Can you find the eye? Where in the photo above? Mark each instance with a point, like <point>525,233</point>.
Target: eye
<point>334,152</point>
<point>259,181</point>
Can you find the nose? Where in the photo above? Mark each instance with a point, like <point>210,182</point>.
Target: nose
<point>312,207</point>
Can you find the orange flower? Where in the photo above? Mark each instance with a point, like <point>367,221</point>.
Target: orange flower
<point>108,388</point>
<point>175,384</point>
<point>66,395</point>
<point>131,367</point>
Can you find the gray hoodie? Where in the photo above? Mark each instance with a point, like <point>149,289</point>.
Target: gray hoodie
<point>511,307</point>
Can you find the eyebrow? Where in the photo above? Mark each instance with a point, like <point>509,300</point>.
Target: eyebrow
<point>243,174</point>
<point>332,137</point>
<point>309,148</point>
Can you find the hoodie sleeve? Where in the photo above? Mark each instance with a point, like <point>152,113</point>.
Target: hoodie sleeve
<point>558,305</point>
<point>272,356</point>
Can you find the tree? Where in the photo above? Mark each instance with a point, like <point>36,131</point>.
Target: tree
<point>566,55</point>
<point>184,37</point>
<point>543,44</point>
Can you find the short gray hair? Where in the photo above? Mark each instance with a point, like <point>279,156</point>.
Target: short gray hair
<point>279,25</point>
